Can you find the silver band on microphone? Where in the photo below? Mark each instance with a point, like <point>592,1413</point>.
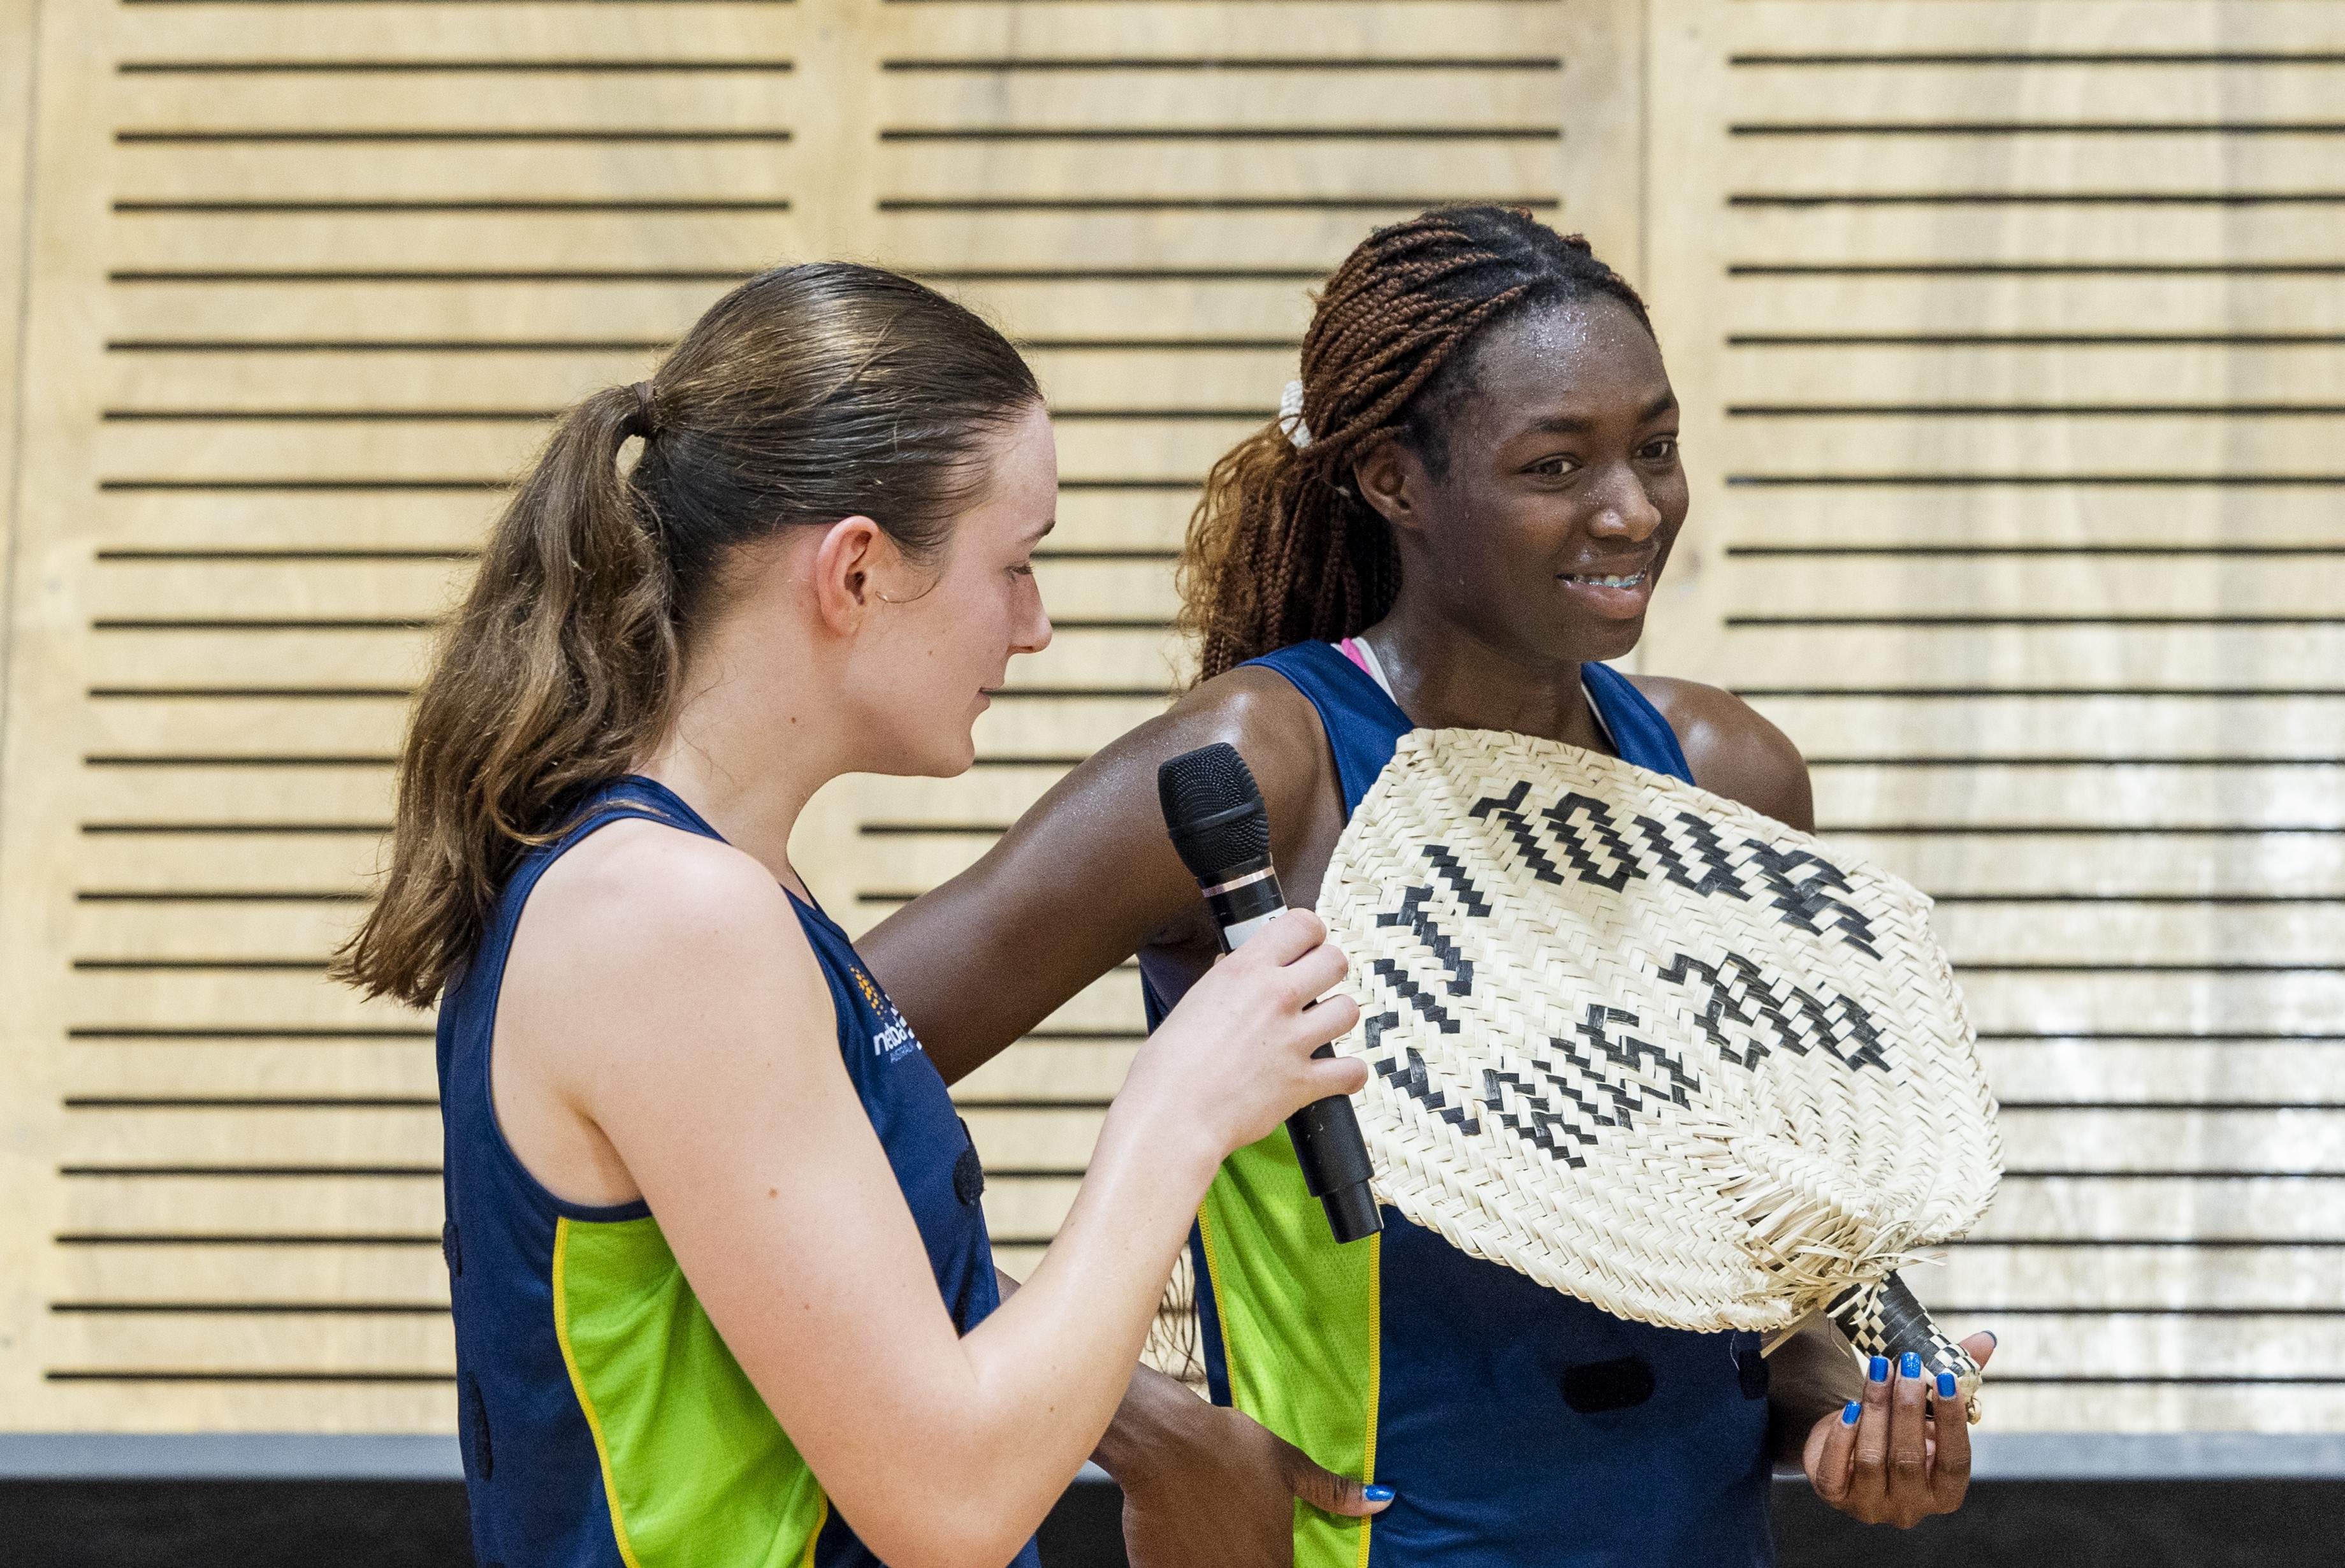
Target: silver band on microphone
<point>1235,882</point>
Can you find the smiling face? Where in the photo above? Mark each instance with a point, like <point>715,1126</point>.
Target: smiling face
<point>1542,514</point>
<point>944,629</point>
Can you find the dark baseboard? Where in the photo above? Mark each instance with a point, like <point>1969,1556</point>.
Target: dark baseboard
<point>73,1523</point>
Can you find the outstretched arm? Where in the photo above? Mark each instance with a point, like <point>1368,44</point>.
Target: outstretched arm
<point>1087,876</point>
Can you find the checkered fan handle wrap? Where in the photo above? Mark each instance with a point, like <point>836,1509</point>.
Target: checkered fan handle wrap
<point>1884,1320</point>
<point>1645,1045</point>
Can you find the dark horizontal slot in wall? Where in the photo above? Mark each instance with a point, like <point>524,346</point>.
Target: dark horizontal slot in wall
<point>2099,899</point>
<point>2053,57</point>
<point>1008,204</point>
<point>225,896</point>
<point>138,1375</point>
<point>468,5</point>
<point>141,555</point>
<point>1976,693</point>
<point>484,135</point>
<point>1006,66</point>
<point>1935,622</point>
<point>329,415</point>
<point>2042,199</point>
<point>1944,481</point>
<point>264,1308</point>
<point>2044,128</point>
<point>2151,968</point>
<point>252,1103</point>
<point>539,415</point>
<point>257,1238</point>
<point>386,345</point>
<point>2034,340</point>
<point>320,624</point>
<point>222,760</point>
<point>2074,761</point>
<point>235,829</point>
<point>356,484</point>
<point>283,276</point>
<point>2036,409</point>
<point>2035,269</point>
<point>253,693</point>
<point>448,67</point>
<point>386,207</point>
<point>1219,133</point>
<point>295,1173</point>
<point>1967,551</point>
<point>199,965</point>
<point>2076,829</point>
<point>1104,274</point>
<point>201,1034</point>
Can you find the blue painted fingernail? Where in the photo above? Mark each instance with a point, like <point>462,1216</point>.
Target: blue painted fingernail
<point>1377,1493</point>
<point>1991,1337</point>
<point>1945,1385</point>
<point>1879,1371</point>
<point>1848,1416</point>
<point>1909,1365</point>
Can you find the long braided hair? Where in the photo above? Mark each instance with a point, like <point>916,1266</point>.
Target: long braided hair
<point>1280,550</point>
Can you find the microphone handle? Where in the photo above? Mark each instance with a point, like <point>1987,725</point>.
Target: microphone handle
<point>1325,1133</point>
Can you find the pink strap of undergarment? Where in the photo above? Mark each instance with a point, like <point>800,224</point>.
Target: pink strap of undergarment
<point>1350,649</point>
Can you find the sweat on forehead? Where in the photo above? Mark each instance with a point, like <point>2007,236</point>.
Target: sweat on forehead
<point>1587,349</point>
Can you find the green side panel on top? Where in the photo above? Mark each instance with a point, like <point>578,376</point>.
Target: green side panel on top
<point>1298,1327</point>
<point>701,1472</point>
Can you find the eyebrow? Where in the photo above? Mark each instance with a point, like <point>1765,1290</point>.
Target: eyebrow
<point>1564,424</point>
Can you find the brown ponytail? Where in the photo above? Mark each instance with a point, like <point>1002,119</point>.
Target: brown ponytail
<point>808,395</point>
<point>1280,550</point>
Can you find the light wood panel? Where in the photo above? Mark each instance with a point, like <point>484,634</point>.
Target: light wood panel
<point>2009,339</point>
<point>268,247</point>
<point>2012,372</point>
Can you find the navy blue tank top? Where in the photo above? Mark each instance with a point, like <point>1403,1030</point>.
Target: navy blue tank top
<point>603,1421</point>
<point>1522,1427</point>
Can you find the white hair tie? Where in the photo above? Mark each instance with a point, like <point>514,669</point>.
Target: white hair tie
<point>1290,415</point>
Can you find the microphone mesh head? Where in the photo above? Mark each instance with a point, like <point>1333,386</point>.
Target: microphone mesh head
<point>1213,809</point>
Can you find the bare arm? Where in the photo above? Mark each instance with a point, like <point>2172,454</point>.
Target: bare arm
<point>1087,877</point>
<point>699,1039</point>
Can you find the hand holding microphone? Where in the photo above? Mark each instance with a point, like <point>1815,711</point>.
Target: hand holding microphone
<point>1215,812</point>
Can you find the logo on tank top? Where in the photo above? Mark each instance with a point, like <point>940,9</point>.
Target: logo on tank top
<point>891,1037</point>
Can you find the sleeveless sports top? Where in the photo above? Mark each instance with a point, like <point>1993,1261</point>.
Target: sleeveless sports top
<point>1521,1428</point>
<point>603,1421</point>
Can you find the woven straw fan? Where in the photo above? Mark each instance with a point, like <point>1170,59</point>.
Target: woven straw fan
<point>1653,1049</point>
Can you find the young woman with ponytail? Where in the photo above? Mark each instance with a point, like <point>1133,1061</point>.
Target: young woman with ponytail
<point>721,1284</point>
<point>1464,506</point>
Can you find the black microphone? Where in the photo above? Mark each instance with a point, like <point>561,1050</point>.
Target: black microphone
<point>1213,809</point>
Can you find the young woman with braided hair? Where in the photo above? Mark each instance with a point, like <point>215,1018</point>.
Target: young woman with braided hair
<point>1462,509</point>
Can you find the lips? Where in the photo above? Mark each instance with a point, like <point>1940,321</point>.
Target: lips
<point>1615,595</point>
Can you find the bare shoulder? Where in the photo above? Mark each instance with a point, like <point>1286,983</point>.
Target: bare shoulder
<point>1273,725</point>
<point>640,912</point>
<point>1733,751</point>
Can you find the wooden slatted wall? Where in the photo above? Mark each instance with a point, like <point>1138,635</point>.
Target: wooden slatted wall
<point>2013,340</point>
<point>306,279</point>
<point>1144,193</point>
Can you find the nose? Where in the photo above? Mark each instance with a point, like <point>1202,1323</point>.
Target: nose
<point>1033,633</point>
<point>1626,509</point>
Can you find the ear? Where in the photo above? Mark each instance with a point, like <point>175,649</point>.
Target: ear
<point>852,551</point>
<point>1391,479</point>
